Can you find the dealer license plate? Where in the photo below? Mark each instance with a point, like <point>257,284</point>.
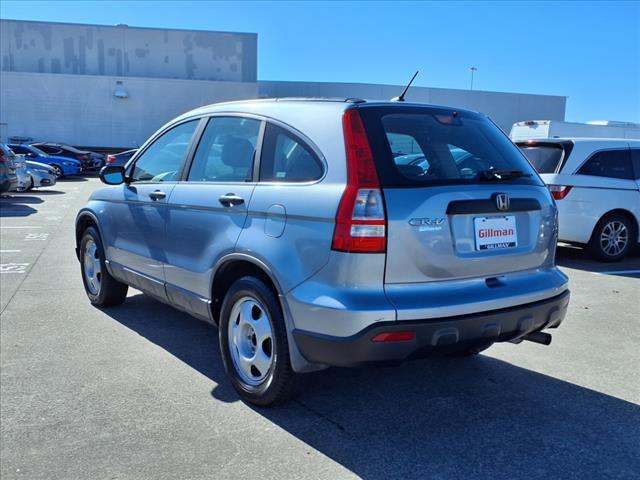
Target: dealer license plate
<point>493,233</point>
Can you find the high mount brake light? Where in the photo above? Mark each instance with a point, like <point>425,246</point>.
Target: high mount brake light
<point>361,223</point>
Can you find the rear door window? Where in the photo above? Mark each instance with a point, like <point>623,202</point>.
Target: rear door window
<point>609,163</point>
<point>420,146</point>
<point>226,151</point>
<point>286,158</point>
<point>544,158</point>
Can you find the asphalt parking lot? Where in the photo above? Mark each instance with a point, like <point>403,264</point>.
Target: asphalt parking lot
<point>138,391</point>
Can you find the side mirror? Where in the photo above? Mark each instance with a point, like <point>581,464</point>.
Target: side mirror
<point>112,174</point>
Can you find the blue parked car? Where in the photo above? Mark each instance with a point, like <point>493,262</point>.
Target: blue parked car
<point>62,166</point>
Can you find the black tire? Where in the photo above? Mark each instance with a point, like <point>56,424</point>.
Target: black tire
<point>600,249</point>
<point>281,381</point>
<point>57,170</point>
<point>111,292</point>
<point>31,184</point>
<point>471,351</point>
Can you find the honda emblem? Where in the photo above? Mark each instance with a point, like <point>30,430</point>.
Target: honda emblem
<point>502,201</point>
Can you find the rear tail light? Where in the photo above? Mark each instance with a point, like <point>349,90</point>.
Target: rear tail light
<point>394,337</point>
<point>361,220</point>
<point>111,159</point>
<point>559,191</point>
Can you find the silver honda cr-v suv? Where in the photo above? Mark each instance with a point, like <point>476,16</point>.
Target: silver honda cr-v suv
<point>329,232</point>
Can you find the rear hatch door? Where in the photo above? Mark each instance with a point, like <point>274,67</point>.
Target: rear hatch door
<point>461,200</point>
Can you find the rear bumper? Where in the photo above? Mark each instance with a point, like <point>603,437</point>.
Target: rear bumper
<point>432,336</point>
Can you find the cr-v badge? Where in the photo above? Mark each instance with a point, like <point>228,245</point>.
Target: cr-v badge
<point>427,224</point>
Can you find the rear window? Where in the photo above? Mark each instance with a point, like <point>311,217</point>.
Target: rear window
<point>421,146</point>
<point>545,158</point>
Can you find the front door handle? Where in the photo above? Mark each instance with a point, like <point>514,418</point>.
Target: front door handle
<point>230,199</point>
<point>157,195</point>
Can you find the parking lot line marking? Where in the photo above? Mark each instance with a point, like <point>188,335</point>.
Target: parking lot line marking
<point>23,226</point>
<point>10,251</point>
<point>36,236</point>
<point>618,272</point>
<point>13,267</point>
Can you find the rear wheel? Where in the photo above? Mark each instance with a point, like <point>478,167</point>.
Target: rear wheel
<point>57,170</point>
<point>253,343</point>
<point>612,239</point>
<point>102,289</point>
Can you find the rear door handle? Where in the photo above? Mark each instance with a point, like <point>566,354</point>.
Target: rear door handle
<point>157,195</point>
<point>230,199</point>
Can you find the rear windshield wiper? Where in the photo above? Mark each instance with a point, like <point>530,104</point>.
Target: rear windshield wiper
<point>494,174</point>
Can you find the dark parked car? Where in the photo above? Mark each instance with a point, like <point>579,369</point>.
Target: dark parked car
<point>90,160</point>
<point>8,176</point>
<point>121,158</point>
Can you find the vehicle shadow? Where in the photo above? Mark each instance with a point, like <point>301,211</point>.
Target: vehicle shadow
<point>72,179</point>
<point>438,418</point>
<point>579,258</point>
<point>49,192</point>
<point>13,205</point>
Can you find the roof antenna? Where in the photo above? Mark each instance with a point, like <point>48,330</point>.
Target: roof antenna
<point>404,92</point>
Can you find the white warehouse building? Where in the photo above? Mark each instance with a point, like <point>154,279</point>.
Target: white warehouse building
<point>113,86</point>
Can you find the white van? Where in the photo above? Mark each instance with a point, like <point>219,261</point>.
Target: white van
<point>596,185</point>
<point>532,129</point>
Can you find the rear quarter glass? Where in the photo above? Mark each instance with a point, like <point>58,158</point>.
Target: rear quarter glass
<point>439,146</point>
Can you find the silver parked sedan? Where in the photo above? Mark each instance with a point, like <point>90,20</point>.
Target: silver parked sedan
<point>42,175</point>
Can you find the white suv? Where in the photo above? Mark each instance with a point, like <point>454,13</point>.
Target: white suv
<point>596,184</point>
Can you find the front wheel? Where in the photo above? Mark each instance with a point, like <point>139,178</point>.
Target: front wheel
<point>612,238</point>
<point>253,343</point>
<point>57,170</point>
<point>102,289</point>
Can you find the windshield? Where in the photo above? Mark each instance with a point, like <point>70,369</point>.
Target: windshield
<point>38,152</point>
<point>415,146</point>
<point>545,159</point>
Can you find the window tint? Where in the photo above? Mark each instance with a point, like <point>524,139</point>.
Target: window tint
<point>415,146</point>
<point>161,162</point>
<point>285,158</point>
<point>226,150</point>
<point>545,159</point>
<point>19,150</point>
<point>48,149</point>
<point>609,163</point>
<point>635,157</point>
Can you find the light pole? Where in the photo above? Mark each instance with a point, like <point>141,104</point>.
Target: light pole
<point>473,69</point>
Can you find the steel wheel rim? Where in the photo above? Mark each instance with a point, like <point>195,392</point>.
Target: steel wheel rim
<point>614,238</point>
<point>92,267</point>
<point>250,339</point>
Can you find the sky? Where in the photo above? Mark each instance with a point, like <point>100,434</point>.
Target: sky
<point>587,51</point>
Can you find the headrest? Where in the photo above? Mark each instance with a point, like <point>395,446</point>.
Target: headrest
<point>237,152</point>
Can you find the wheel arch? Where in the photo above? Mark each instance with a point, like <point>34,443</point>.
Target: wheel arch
<point>232,267</point>
<point>85,219</point>
<point>236,265</point>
